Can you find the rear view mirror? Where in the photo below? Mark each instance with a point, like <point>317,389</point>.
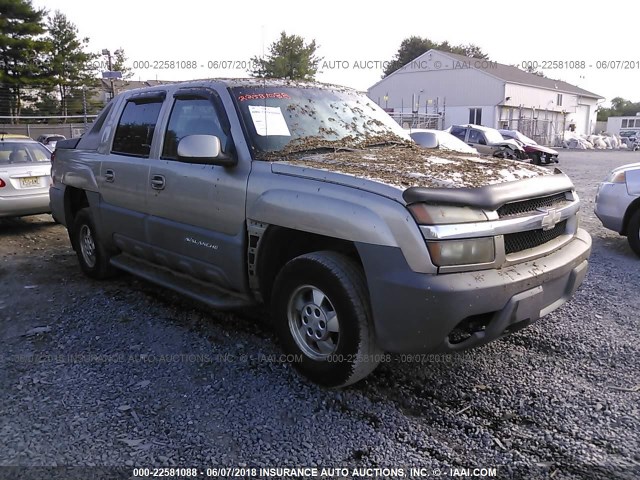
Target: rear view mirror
<point>203,149</point>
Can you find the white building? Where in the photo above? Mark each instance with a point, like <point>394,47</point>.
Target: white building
<point>618,125</point>
<point>460,90</point>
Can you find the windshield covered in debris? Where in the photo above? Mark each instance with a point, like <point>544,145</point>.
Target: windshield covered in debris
<point>288,120</point>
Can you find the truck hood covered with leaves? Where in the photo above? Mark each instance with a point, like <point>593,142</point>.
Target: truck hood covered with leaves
<point>408,166</point>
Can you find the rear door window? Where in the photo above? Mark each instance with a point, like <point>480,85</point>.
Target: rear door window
<point>137,124</point>
<point>475,136</point>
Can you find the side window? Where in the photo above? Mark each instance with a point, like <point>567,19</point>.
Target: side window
<point>474,136</point>
<point>458,132</point>
<point>135,128</point>
<point>191,116</point>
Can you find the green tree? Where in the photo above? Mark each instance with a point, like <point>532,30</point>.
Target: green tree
<point>414,46</point>
<point>120,64</point>
<point>289,57</point>
<point>21,51</point>
<point>620,107</point>
<point>69,65</point>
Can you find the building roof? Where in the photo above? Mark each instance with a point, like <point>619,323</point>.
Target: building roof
<point>512,74</point>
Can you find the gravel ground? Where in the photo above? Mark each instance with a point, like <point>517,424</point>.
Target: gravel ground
<point>126,374</point>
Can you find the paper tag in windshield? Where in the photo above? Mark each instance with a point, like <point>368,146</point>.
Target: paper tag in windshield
<point>268,121</point>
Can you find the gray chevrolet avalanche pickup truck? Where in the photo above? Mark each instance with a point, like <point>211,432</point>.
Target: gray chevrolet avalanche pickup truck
<point>309,199</point>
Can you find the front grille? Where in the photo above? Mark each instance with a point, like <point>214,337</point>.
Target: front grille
<point>527,206</point>
<point>517,242</point>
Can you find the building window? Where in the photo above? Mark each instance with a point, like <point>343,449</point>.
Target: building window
<point>559,100</point>
<point>625,123</point>
<point>475,116</point>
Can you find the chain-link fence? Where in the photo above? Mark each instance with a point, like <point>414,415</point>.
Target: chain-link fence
<point>543,131</point>
<point>69,130</point>
<point>419,120</point>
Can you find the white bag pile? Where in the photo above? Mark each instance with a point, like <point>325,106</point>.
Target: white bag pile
<point>605,141</point>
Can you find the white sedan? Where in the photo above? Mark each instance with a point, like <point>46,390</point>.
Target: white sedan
<point>25,176</point>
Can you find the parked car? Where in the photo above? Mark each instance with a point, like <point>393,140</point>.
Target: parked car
<point>629,138</point>
<point>25,176</point>
<point>632,134</point>
<point>488,141</point>
<point>441,140</point>
<point>618,203</point>
<point>538,154</point>
<point>50,140</point>
<point>310,199</point>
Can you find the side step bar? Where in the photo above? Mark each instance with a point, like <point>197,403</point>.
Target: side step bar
<point>206,293</point>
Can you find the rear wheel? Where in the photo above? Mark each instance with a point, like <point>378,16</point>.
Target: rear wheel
<point>633,232</point>
<point>322,315</point>
<point>92,255</point>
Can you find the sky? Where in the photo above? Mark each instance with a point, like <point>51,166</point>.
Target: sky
<point>595,48</point>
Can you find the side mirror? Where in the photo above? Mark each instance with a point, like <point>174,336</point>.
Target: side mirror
<point>204,149</point>
<point>482,141</point>
<point>425,139</point>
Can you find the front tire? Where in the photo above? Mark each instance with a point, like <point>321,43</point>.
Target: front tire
<point>535,159</point>
<point>323,318</point>
<point>633,232</point>
<point>92,255</point>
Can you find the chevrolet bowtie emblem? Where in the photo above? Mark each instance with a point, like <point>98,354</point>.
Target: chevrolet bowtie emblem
<point>551,218</point>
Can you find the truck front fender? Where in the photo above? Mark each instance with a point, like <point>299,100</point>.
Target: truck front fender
<point>333,214</point>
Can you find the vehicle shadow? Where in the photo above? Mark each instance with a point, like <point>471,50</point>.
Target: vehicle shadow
<point>31,224</point>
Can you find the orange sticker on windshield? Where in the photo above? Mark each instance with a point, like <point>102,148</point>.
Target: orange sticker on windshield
<point>262,96</point>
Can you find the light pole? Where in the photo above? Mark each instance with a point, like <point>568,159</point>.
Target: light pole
<point>106,52</point>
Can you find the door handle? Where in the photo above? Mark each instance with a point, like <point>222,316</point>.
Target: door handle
<point>109,176</point>
<point>157,182</point>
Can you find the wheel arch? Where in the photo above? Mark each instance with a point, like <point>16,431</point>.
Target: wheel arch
<point>631,209</point>
<point>278,245</point>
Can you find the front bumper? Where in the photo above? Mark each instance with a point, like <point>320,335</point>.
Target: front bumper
<point>19,205</point>
<point>416,313</point>
<point>612,201</point>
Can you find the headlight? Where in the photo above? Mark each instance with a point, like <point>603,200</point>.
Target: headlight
<point>618,177</point>
<point>426,214</point>
<point>462,252</point>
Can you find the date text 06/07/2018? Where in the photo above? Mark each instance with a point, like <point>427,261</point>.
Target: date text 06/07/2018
<point>579,64</point>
